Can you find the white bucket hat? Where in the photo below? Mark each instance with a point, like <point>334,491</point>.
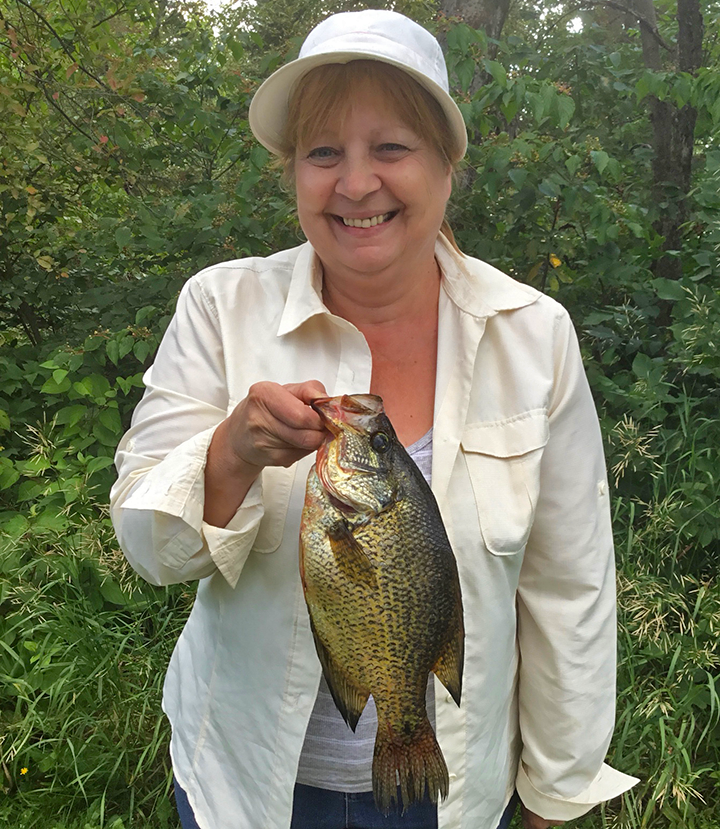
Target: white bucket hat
<point>373,34</point>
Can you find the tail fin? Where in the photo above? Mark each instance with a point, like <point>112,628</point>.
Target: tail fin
<point>415,763</point>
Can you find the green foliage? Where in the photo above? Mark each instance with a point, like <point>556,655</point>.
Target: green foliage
<point>126,164</point>
<point>84,645</point>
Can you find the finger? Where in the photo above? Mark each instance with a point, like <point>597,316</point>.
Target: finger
<point>290,404</point>
<point>307,391</point>
<point>279,420</point>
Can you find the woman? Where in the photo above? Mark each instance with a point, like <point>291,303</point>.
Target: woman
<point>482,379</point>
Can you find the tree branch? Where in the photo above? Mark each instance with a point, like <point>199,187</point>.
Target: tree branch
<point>110,16</point>
<point>65,49</point>
<point>643,21</point>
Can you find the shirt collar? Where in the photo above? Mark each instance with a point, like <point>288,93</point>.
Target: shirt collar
<point>476,287</point>
<point>473,285</point>
<point>304,299</point>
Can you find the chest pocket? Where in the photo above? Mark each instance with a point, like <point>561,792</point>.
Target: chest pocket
<point>503,460</point>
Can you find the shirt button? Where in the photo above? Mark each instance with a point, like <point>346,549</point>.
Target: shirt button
<point>130,445</point>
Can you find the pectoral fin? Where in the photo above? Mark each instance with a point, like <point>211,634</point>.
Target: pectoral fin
<point>349,698</point>
<point>351,559</point>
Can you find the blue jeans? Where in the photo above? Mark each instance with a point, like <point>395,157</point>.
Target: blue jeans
<point>321,809</point>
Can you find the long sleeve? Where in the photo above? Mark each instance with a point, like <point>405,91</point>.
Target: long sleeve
<point>566,610</point>
<point>157,503</point>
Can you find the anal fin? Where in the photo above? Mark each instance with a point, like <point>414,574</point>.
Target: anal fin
<point>449,666</point>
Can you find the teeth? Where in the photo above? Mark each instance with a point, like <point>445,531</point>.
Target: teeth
<point>375,220</point>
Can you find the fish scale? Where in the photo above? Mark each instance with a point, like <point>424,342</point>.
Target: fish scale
<point>383,593</point>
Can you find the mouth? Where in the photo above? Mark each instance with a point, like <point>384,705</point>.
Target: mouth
<point>368,221</point>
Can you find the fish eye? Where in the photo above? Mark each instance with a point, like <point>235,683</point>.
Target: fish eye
<point>380,442</point>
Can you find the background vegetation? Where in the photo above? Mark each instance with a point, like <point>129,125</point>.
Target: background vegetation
<point>126,164</point>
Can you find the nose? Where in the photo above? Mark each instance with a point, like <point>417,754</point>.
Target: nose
<point>357,177</point>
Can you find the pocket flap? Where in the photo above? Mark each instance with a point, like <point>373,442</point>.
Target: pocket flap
<point>507,438</point>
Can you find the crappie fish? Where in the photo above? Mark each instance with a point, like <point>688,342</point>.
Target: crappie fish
<point>382,589</point>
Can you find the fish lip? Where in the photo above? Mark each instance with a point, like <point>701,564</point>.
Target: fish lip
<point>317,403</point>
<point>320,405</point>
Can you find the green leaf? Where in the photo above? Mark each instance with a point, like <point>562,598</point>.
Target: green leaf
<point>4,421</point>
<point>642,88</point>
<point>141,350</point>
<point>461,36</point>
<point>643,365</point>
<point>96,464</point>
<point>518,176</point>
<point>104,436</point>
<point>573,164</point>
<point>13,524</point>
<point>147,310</point>
<point>566,110</point>
<point>70,415</point>
<point>122,236</point>
<point>8,474</point>
<point>669,289</point>
<point>509,109</point>
<point>113,351</point>
<point>110,418</point>
<point>497,70</point>
<point>94,385</point>
<point>30,490</point>
<point>52,520</point>
<point>549,188</point>
<point>465,72</point>
<point>600,159</point>
<point>51,386</point>
<point>111,592</point>
<point>259,157</point>
<point>125,346</point>
<point>236,49</point>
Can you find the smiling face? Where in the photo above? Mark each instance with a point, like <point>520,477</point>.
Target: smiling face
<point>371,192</point>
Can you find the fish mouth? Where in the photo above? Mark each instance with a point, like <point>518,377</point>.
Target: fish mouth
<point>338,413</point>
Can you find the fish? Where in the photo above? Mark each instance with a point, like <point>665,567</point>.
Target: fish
<point>383,594</point>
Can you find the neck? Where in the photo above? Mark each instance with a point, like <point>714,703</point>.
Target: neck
<point>384,297</point>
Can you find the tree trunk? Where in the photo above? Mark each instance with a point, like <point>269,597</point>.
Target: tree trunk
<point>488,15</point>
<point>673,128</point>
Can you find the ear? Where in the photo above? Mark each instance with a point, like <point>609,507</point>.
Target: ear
<point>447,187</point>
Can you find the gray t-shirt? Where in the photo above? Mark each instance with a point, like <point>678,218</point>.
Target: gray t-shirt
<point>333,757</point>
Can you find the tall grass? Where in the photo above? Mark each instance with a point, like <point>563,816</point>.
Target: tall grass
<point>83,651</point>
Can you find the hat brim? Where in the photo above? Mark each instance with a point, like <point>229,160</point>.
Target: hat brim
<point>269,106</point>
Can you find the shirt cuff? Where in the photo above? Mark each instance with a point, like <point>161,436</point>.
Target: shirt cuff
<point>607,784</point>
<point>173,493</point>
<point>230,545</point>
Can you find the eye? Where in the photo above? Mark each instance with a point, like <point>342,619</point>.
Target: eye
<point>391,148</point>
<point>380,442</point>
<point>322,154</point>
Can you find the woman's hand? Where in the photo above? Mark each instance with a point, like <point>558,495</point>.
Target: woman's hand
<point>273,426</point>
<point>532,821</point>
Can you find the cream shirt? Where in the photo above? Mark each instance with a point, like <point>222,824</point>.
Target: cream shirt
<point>519,476</point>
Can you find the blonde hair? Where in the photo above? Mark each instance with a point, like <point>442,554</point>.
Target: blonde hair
<point>327,92</point>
